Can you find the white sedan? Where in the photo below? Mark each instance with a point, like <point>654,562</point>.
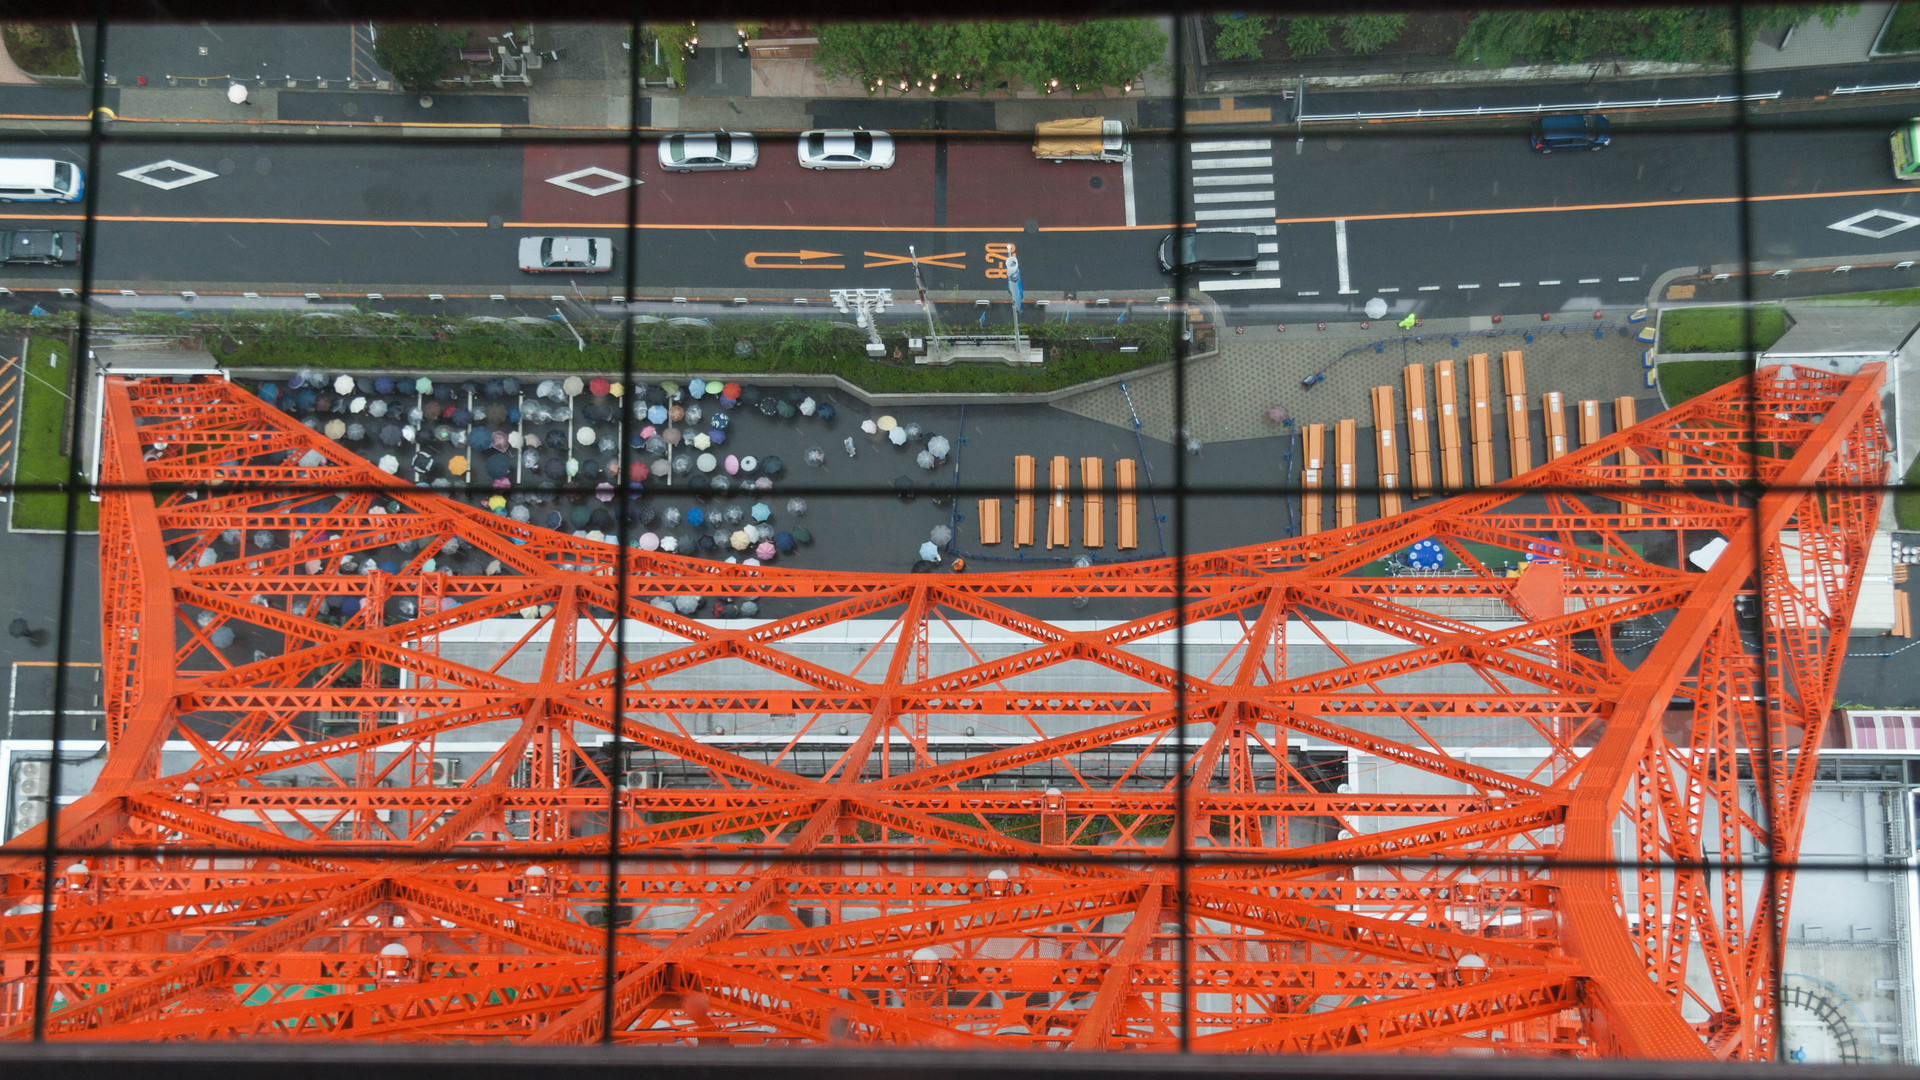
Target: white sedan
<point>705,150</point>
<point>566,254</point>
<point>839,148</point>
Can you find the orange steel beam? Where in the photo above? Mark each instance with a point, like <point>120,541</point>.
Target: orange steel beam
<point>907,838</point>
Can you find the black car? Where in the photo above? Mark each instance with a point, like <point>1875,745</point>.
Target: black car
<point>39,247</point>
<point>1231,253</point>
<point>1588,131</point>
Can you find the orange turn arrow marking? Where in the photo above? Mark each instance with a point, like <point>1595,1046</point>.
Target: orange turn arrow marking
<point>792,260</point>
<point>928,260</point>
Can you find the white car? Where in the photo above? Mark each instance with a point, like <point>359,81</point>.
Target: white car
<point>698,151</point>
<point>839,148</point>
<point>566,254</point>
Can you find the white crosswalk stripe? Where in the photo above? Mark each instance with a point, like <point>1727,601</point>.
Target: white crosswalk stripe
<point>1221,146</point>
<point>1238,284</point>
<point>1229,215</point>
<point>1211,180</point>
<point>1256,230</point>
<point>1232,196</point>
<point>1233,163</point>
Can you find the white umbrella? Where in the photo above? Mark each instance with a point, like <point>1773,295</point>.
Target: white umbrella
<point>925,459</point>
<point>939,446</point>
<point>704,463</point>
<point>867,426</point>
<point>343,384</point>
<point>670,544</point>
<point>585,436</point>
<point>357,405</point>
<point>389,464</point>
<point>376,407</point>
<point>942,535</point>
<point>897,436</point>
<point>807,407</point>
<point>686,605</point>
<point>573,386</point>
<point>236,93</point>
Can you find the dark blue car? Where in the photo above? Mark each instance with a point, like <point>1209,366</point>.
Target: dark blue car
<point>1568,132</point>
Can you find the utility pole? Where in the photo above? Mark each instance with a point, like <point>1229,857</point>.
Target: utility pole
<point>920,283</point>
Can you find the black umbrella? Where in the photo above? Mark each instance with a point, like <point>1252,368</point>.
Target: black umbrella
<point>786,409</point>
<point>796,394</point>
<point>771,466</point>
<point>554,520</point>
<point>493,388</point>
<point>801,534</point>
<point>390,434</point>
<point>706,546</point>
<point>903,487</point>
<point>600,519</point>
<point>554,469</point>
<point>750,395</point>
<point>825,412</point>
<point>647,514</point>
<point>469,388</point>
<point>769,407</point>
<point>365,384</point>
<point>499,466</point>
<point>509,385</point>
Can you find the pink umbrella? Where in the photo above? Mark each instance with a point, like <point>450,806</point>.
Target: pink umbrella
<point>649,431</point>
<point>764,551</point>
<point>733,465</point>
<point>502,483</point>
<point>672,435</point>
<point>649,542</point>
<point>604,493</point>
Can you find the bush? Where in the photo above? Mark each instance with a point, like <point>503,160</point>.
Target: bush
<point>40,468</point>
<point>42,48</point>
<point>1308,35</point>
<point>1370,33</point>
<point>1239,36</point>
<point>1906,502</point>
<point>414,53</point>
<point>673,38</point>
<point>1684,380</point>
<point>982,56</point>
<point>1720,329</point>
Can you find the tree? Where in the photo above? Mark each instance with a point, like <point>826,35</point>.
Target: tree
<point>1370,33</point>
<point>1673,35</point>
<point>1308,35</point>
<point>415,53</point>
<point>1239,36</point>
<point>982,55</point>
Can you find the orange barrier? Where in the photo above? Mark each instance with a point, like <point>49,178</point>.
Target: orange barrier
<point>1480,387</point>
<point>1093,502</point>
<point>1023,501</point>
<point>1513,371</point>
<point>1447,411</point>
<point>1059,531</point>
<point>1386,455</point>
<point>1589,423</point>
<point>1346,504</point>
<point>1128,507</point>
<point>1553,413</point>
<point>1313,452</point>
<point>989,521</point>
<point>1419,440</point>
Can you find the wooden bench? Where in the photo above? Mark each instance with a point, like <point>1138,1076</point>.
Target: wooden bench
<point>1625,415</point>
<point>1480,389</point>
<point>1313,453</point>
<point>1386,455</point>
<point>1589,423</point>
<point>1347,504</point>
<point>1519,427</point>
<point>1093,483</point>
<point>1023,501</point>
<point>1419,438</point>
<point>1447,411</point>
<point>1553,421</point>
<point>1059,533</point>
<point>989,521</point>
<point>476,56</point>
<point>1127,507</point>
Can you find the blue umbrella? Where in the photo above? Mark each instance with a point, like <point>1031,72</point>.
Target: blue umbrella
<point>696,516</point>
<point>697,388</point>
<point>826,412</point>
<point>783,542</point>
<point>760,512</point>
<point>657,414</point>
<point>1426,555</point>
<point>718,436</point>
<point>383,384</point>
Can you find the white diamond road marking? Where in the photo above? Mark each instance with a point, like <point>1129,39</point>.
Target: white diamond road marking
<point>613,181</point>
<point>190,175</point>
<point>1857,224</point>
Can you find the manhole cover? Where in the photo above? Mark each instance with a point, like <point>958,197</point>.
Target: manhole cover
<point>350,109</point>
<point>1094,183</point>
<point>262,166</point>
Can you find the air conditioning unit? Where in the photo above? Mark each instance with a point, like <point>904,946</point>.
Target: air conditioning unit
<point>641,779</point>
<point>26,814</point>
<point>30,779</point>
<point>446,771</point>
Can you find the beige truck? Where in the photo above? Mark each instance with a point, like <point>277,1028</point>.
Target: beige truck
<point>1086,138</point>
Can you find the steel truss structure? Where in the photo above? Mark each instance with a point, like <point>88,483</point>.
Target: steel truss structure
<point>1158,853</point>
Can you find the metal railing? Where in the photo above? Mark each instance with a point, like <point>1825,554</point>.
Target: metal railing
<point>1533,110</point>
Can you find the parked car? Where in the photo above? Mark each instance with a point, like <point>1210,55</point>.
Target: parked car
<point>1230,253</point>
<point>39,247</point>
<point>839,148</point>
<point>1568,131</point>
<point>566,254</point>
<point>698,151</point>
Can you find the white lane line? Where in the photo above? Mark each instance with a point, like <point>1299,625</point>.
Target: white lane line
<point>1126,187</point>
<point>1589,281</point>
<point>1204,197</point>
<point>1221,146</point>
<point>1636,277</point>
<point>1511,284</point>
<point>1229,215</point>
<point>1429,288</point>
<point>1308,292</point>
<point>1256,230</point>
<point>1340,253</point>
<point>1475,285</point>
<point>1269,249</point>
<point>1550,281</point>
<point>1267,266</point>
<point>1239,284</point>
<point>1234,163</point>
<point>1388,288</point>
<point>1229,181</point>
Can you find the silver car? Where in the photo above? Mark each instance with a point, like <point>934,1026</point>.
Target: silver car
<point>697,151</point>
<point>566,254</point>
<point>839,148</point>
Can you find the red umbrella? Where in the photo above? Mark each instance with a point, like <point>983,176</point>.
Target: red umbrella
<point>731,390</point>
<point>597,386</point>
<point>637,471</point>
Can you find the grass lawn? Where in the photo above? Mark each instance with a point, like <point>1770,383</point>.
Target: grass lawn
<point>1906,502</point>
<point>1903,30</point>
<point>1880,298</point>
<point>42,48</point>
<point>38,502</point>
<point>1719,329</point>
<point>1684,380</point>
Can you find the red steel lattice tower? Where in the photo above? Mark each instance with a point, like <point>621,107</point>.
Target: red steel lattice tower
<point>1397,796</point>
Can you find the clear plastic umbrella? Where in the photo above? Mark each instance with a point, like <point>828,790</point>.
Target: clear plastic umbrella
<point>939,447</point>
<point>897,436</point>
<point>816,456</point>
<point>797,507</point>
<point>925,459</point>
<point>807,407</point>
<point>942,535</point>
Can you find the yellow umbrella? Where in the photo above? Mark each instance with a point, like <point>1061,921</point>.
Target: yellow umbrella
<point>456,466</point>
<point>886,423</point>
<point>497,502</point>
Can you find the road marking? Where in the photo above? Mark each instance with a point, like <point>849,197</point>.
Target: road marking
<point>1510,284</point>
<point>1651,204</point>
<point>1475,285</point>
<point>1429,288</point>
<point>1269,249</point>
<point>1239,284</point>
<point>1857,224</point>
<point>1200,197</point>
<point>1267,266</point>
<point>1589,281</point>
<point>1636,277</point>
<point>907,260</point>
<point>610,181</point>
<point>1388,289</point>
<point>1228,215</point>
<point>1550,281</point>
<point>792,260</point>
<point>1126,188</point>
<point>1308,292</point>
<point>1234,163</point>
<point>1340,252</point>
<point>190,174</point>
<point>1222,146</point>
<point>1256,230</point>
<point>1229,181</point>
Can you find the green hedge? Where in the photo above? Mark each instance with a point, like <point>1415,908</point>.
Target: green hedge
<point>1906,502</point>
<point>1684,380</point>
<point>1720,329</point>
<point>40,467</point>
<point>745,347</point>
